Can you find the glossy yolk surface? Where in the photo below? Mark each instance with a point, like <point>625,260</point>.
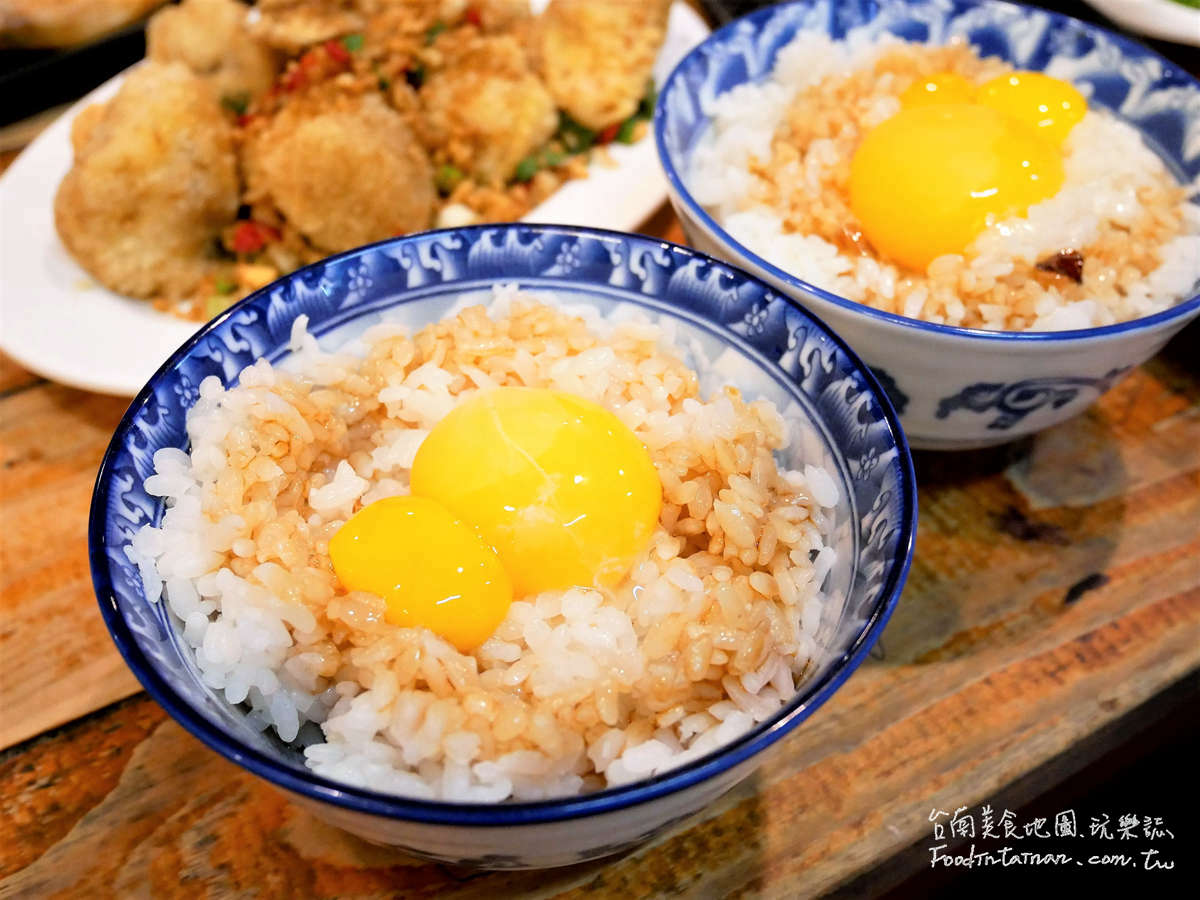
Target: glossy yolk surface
<point>943,87</point>
<point>1048,104</point>
<point>431,569</point>
<point>924,182</point>
<point>560,487</point>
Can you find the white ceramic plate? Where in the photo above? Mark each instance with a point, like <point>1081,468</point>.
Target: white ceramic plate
<point>1163,19</point>
<point>56,321</point>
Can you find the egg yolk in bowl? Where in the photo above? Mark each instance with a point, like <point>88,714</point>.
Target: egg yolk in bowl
<point>563,490</point>
<point>431,569</point>
<point>956,157</point>
<point>514,492</point>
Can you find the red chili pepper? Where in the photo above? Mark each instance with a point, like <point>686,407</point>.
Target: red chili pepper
<point>250,237</point>
<point>310,60</point>
<point>337,52</point>
<point>246,238</point>
<point>245,119</point>
<point>472,17</point>
<point>294,80</point>
<point>609,134</point>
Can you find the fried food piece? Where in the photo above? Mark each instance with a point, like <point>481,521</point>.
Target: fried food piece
<point>343,172</point>
<point>154,182</point>
<point>291,25</point>
<point>487,109</point>
<point>596,57</point>
<point>212,39</point>
<point>85,123</point>
<point>65,23</point>
<point>497,15</point>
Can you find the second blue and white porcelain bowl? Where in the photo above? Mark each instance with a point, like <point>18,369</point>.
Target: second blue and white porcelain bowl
<point>739,332</point>
<point>955,388</point>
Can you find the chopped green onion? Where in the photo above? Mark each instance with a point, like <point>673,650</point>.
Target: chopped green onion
<point>384,84</point>
<point>551,158</point>
<point>625,132</point>
<point>434,30</point>
<point>645,108</point>
<point>448,178</point>
<point>575,138</point>
<point>236,103</point>
<point>353,42</point>
<point>225,286</point>
<point>526,169</point>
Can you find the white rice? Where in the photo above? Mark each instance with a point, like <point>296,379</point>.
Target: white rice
<point>265,637</point>
<point>1106,165</point>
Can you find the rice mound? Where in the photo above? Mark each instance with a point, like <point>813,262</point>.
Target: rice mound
<point>577,690</point>
<point>774,167</point>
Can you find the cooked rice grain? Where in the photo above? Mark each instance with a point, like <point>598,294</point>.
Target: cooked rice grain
<point>774,170</point>
<point>577,689</point>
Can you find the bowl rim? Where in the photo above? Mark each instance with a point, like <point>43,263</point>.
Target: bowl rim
<point>678,190</point>
<point>433,812</point>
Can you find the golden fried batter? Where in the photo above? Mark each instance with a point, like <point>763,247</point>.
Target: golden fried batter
<point>154,182</point>
<point>211,38</point>
<point>597,57</point>
<point>343,173</point>
<point>291,25</point>
<point>362,119</point>
<point>499,15</point>
<point>487,109</point>
<point>65,23</point>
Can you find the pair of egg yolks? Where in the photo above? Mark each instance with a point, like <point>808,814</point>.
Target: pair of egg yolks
<point>563,490</point>
<point>430,569</point>
<point>927,181</point>
<point>514,492</point>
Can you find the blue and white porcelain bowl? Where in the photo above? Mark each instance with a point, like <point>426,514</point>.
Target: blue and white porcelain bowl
<point>754,337</point>
<point>955,388</point>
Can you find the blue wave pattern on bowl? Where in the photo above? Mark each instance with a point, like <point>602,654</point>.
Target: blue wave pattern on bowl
<point>1013,402</point>
<point>820,370</point>
<point>1115,73</point>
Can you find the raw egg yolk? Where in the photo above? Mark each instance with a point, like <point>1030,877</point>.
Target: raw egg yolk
<point>563,490</point>
<point>431,569</point>
<point>944,87</point>
<point>924,182</point>
<point>1051,106</point>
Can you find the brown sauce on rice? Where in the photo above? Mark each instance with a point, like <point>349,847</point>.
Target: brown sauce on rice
<point>711,629</point>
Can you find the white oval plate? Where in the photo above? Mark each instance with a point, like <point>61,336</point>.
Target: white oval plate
<point>58,322</point>
<point>1163,19</point>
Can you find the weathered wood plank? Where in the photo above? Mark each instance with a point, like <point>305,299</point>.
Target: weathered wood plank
<point>56,659</point>
<point>15,378</point>
<point>54,779</point>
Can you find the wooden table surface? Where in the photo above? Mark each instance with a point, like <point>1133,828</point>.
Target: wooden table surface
<point>1053,604</point>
